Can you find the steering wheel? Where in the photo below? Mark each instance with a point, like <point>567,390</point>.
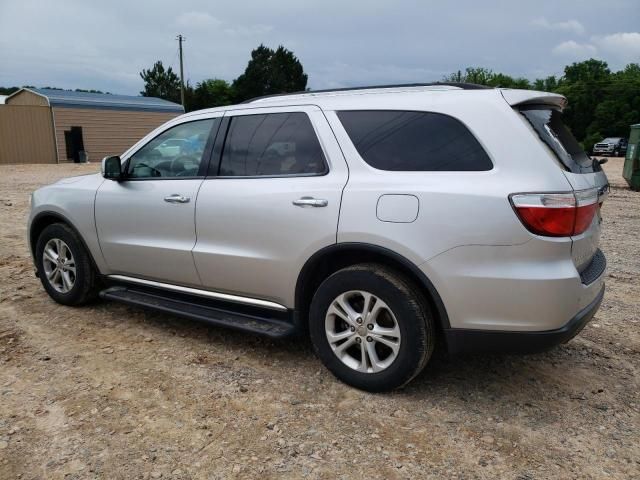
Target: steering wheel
<point>157,173</point>
<point>179,165</point>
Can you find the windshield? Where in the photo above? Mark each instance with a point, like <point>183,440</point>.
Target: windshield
<point>610,140</point>
<point>554,133</point>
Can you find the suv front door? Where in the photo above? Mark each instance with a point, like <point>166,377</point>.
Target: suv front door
<point>271,200</point>
<point>145,222</point>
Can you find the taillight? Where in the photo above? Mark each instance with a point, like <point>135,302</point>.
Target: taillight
<point>556,214</point>
<point>586,208</point>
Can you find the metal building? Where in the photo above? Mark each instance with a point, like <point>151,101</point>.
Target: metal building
<point>57,126</point>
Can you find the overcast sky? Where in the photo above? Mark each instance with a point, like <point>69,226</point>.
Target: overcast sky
<point>104,44</point>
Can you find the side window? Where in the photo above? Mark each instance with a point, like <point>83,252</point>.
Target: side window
<point>413,141</point>
<point>176,152</point>
<point>272,144</point>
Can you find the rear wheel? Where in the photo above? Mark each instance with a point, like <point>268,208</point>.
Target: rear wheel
<point>64,266</point>
<point>371,327</point>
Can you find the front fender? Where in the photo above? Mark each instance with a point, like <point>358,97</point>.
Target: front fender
<point>71,203</point>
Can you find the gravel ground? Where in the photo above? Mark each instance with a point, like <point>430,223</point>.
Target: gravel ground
<point>108,391</point>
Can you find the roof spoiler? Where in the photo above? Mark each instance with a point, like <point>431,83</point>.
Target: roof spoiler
<point>516,97</point>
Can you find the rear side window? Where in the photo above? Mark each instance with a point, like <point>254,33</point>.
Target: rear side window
<point>556,135</point>
<point>274,144</point>
<point>414,141</point>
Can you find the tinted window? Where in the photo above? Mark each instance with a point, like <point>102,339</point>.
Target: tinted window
<point>177,152</point>
<point>271,144</point>
<point>413,141</point>
<point>554,133</point>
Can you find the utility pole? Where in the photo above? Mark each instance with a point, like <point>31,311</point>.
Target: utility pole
<point>181,39</point>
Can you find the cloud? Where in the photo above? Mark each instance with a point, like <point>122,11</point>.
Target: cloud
<point>203,20</point>
<point>574,50</point>
<point>197,20</point>
<point>249,30</point>
<point>381,44</point>
<point>625,46</point>
<point>573,26</point>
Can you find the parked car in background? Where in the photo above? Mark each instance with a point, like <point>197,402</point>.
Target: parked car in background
<point>172,147</point>
<point>377,221</point>
<point>614,146</point>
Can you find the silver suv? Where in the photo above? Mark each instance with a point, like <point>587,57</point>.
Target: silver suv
<point>615,146</point>
<point>375,220</point>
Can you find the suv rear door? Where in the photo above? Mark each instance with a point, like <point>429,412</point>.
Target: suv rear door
<point>271,200</point>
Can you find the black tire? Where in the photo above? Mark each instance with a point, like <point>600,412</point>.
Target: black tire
<point>410,309</point>
<point>84,284</point>
<point>616,153</point>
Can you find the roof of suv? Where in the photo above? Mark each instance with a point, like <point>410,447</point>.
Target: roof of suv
<point>326,96</point>
<point>369,89</point>
<point>384,97</point>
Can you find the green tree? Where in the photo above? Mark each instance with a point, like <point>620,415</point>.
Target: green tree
<point>270,72</point>
<point>591,70</point>
<point>601,103</point>
<point>618,108</point>
<point>549,84</point>
<point>485,76</point>
<point>212,92</point>
<point>161,83</point>
<point>478,75</point>
<point>506,81</point>
<point>8,90</point>
<point>91,91</point>
<point>585,84</point>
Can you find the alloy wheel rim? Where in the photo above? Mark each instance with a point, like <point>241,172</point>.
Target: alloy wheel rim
<point>362,331</point>
<point>59,265</point>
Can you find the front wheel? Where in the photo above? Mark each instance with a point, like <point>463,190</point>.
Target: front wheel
<point>371,327</point>
<point>64,266</point>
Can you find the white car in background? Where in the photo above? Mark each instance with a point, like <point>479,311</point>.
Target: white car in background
<point>172,147</point>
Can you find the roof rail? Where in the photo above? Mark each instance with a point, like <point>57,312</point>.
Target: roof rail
<point>462,85</point>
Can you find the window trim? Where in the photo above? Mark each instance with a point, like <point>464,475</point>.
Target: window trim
<point>204,162</point>
<point>422,172</point>
<point>218,150</point>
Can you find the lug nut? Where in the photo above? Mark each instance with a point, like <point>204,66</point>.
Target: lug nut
<point>369,339</point>
<point>353,329</point>
<point>358,340</point>
<point>370,326</point>
<point>359,320</point>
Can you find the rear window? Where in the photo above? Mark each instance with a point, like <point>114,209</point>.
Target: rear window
<point>414,141</point>
<point>556,135</point>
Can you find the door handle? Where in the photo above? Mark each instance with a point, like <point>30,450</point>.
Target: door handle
<point>177,198</point>
<point>310,202</point>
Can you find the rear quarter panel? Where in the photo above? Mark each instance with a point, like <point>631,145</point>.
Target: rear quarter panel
<point>455,208</point>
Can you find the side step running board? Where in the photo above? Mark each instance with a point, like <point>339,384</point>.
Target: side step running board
<point>199,309</point>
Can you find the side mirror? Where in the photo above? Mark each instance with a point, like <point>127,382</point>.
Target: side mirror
<point>112,168</point>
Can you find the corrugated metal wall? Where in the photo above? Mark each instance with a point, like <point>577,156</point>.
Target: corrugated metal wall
<point>26,135</point>
<point>106,132</point>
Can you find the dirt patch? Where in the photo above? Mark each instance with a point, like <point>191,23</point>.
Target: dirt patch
<point>108,391</point>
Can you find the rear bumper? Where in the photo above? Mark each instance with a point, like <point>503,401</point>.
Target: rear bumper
<point>461,340</point>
